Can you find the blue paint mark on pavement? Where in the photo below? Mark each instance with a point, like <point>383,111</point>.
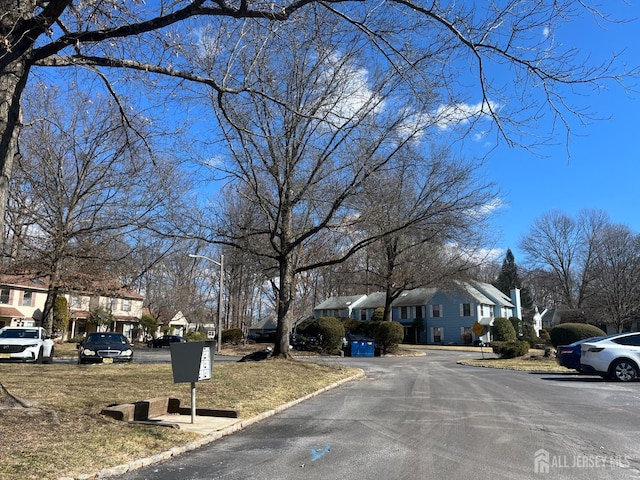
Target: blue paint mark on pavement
<point>320,453</point>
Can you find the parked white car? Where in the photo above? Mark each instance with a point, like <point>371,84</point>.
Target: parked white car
<point>616,357</point>
<point>25,344</point>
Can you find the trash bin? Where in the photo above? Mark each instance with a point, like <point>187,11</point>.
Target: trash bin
<point>361,347</point>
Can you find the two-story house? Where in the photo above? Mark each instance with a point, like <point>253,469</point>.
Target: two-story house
<point>338,306</point>
<point>23,297</point>
<point>125,307</point>
<point>442,315</point>
<point>22,300</point>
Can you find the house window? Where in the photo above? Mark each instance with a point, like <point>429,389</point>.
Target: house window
<point>4,295</point>
<point>437,334</point>
<point>466,310</point>
<point>75,301</point>
<point>404,312</point>
<point>363,315</point>
<point>126,305</point>
<point>436,311</point>
<point>27,298</point>
<point>419,313</point>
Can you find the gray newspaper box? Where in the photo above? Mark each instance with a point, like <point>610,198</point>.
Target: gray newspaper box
<point>192,361</point>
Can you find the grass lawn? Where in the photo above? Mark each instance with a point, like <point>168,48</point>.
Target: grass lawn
<point>528,363</point>
<point>67,436</point>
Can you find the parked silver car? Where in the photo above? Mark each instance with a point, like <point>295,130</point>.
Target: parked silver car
<point>614,357</point>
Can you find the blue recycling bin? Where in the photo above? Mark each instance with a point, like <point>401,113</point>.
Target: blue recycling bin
<point>362,347</point>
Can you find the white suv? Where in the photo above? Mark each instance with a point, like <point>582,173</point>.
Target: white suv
<point>25,344</point>
<point>616,356</point>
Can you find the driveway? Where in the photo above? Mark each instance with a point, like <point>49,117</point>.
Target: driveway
<point>429,418</point>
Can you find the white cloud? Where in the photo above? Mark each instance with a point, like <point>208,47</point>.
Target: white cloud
<point>448,116</point>
<point>352,96</point>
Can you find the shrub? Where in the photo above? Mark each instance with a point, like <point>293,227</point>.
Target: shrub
<point>328,330</point>
<point>529,335</point>
<point>232,335</point>
<point>567,333</point>
<point>387,335</point>
<point>352,325</point>
<point>149,324</point>
<point>378,315</point>
<point>331,333</point>
<point>517,326</point>
<point>60,315</point>
<point>510,349</point>
<point>544,336</point>
<point>503,331</point>
<point>195,337</point>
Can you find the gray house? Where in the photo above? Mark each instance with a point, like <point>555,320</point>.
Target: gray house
<point>338,306</point>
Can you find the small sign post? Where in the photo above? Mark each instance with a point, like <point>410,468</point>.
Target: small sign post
<point>478,329</point>
<point>192,362</point>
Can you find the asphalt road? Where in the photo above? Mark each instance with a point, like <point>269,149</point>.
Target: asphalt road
<point>429,418</point>
<point>149,355</point>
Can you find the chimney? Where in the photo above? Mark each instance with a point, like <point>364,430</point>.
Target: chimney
<point>515,299</point>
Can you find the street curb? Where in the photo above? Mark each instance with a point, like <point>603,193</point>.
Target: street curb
<point>212,437</point>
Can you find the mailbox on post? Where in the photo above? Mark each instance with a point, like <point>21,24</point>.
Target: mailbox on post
<point>192,362</point>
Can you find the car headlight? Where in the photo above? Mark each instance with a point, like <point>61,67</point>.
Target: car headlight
<point>88,352</point>
<point>126,353</point>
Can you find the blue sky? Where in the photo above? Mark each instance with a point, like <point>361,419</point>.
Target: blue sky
<point>601,170</point>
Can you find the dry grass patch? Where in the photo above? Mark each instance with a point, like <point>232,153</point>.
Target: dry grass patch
<point>66,435</point>
<point>528,363</point>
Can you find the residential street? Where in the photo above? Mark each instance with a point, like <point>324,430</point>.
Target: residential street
<point>429,418</point>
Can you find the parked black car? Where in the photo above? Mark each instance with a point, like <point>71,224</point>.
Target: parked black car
<point>165,341</point>
<point>105,347</point>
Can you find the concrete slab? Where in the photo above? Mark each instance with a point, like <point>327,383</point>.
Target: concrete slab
<point>203,425</point>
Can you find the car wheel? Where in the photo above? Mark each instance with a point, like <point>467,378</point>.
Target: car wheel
<point>624,370</point>
<point>40,356</point>
<point>49,359</point>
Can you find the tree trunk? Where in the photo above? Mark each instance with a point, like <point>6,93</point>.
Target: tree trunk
<point>13,78</point>
<point>49,304</point>
<point>15,47</point>
<point>285,296</point>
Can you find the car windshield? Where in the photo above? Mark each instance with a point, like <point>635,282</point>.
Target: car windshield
<point>19,333</point>
<point>106,338</point>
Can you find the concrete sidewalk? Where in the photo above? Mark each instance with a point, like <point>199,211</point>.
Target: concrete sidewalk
<point>204,425</point>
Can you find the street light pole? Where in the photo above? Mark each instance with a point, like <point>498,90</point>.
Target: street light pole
<point>221,286</point>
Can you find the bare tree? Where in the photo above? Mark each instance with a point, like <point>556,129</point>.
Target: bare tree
<point>443,201</point>
<point>616,268</point>
<point>564,246</point>
<point>86,185</point>
<point>311,138</point>
<point>437,43</point>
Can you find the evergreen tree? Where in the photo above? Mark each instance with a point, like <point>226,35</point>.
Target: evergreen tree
<point>509,279</point>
